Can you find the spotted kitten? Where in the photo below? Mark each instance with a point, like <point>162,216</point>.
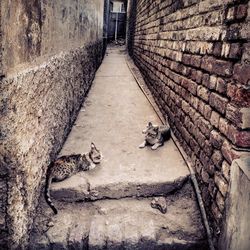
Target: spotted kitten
<point>68,165</point>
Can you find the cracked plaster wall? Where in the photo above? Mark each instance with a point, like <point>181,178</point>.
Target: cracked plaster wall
<point>51,52</point>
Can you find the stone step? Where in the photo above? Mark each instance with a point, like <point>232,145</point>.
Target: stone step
<point>83,187</point>
<point>122,224</point>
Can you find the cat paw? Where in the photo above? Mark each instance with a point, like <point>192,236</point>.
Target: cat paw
<point>155,146</point>
<point>142,145</point>
<point>92,166</point>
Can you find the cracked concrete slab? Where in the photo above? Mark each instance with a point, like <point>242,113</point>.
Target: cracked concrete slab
<point>113,116</point>
<point>122,224</point>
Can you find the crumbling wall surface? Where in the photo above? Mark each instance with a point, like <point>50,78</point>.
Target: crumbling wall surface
<point>195,58</point>
<point>236,228</point>
<point>47,76</point>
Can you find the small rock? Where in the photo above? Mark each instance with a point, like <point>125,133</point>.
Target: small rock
<point>50,224</point>
<point>159,203</point>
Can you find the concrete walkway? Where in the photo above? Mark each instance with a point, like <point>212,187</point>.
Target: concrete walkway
<point>113,116</point>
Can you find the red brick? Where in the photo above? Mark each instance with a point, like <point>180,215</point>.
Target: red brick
<point>241,11</point>
<point>201,106</point>
<point>199,76</point>
<point>230,14</point>
<point>205,80</point>
<point>192,60</point>
<point>217,48</point>
<point>226,170</point>
<point>223,126</point>
<point>211,188</point>
<point>221,86</point>
<point>238,137</point>
<point>194,101</point>
<point>215,66</point>
<point>208,149</point>
<point>216,212</point>
<point>239,95</point>
<point>218,102</point>
<point>242,73</point>
<point>220,200</point>
<point>192,87</point>
<point>221,183</point>
<point>217,158</point>
<point>211,168</point>
<point>216,139</point>
<point>229,153</point>
<point>203,93</point>
<point>235,51</point>
<point>205,196</point>
<point>209,81</point>
<point>212,82</point>
<point>199,137</point>
<point>214,120</point>
<point>194,145</point>
<point>198,166</point>
<point>233,114</point>
<point>204,158</point>
<point>207,112</point>
<point>205,126</point>
<point>204,176</point>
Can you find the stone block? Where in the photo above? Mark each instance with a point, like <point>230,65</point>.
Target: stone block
<point>205,126</point>
<point>241,73</point>
<point>216,139</point>
<point>230,153</point>
<point>217,159</point>
<point>226,170</point>
<point>203,93</point>
<point>221,86</point>
<point>220,200</point>
<point>218,102</point>
<point>216,66</point>
<point>221,183</point>
<point>214,120</point>
<point>216,212</point>
<point>238,137</point>
<point>223,126</point>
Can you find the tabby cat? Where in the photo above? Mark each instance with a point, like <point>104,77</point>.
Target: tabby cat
<point>155,136</point>
<point>68,165</point>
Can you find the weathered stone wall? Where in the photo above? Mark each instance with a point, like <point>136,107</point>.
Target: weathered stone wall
<point>1,56</point>
<point>51,52</point>
<point>195,58</point>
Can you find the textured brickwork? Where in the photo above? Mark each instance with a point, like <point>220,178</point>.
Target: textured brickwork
<point>194,56</point>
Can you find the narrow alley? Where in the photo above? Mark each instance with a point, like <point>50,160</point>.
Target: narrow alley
<point>87,86</point>
<point>113,116</point>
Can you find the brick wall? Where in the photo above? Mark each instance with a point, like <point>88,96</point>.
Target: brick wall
<point>195,58</point>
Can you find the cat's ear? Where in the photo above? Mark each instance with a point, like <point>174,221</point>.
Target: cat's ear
<point>93,145</point>
<point>150,124</point>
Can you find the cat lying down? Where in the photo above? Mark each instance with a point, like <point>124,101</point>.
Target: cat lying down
<point>155,135</point>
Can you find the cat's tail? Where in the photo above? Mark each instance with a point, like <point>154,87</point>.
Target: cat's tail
<point>47,194</point>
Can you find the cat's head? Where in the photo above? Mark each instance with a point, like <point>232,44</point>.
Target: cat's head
<point>152,132</point>
<point>95,154</point>
<point>149,126</point>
